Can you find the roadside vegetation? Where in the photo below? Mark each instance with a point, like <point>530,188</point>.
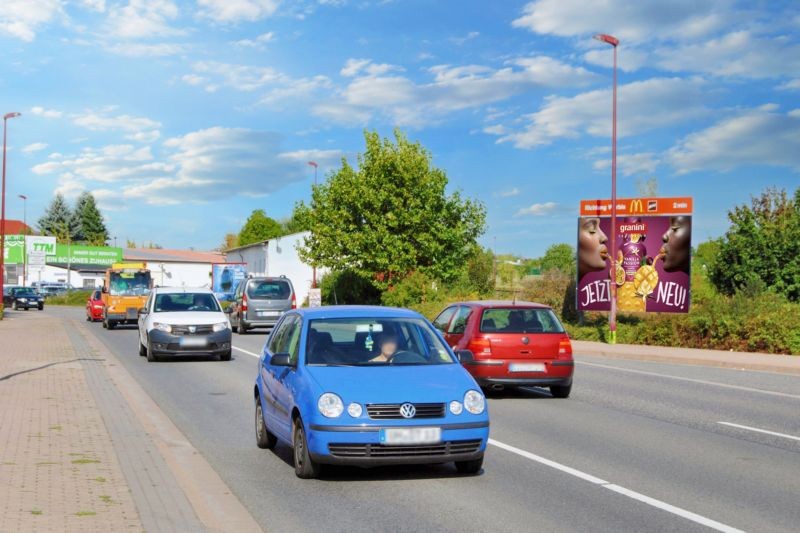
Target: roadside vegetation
<point>76,298</point>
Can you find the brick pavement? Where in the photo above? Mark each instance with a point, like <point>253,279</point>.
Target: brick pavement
<point>58,467</point>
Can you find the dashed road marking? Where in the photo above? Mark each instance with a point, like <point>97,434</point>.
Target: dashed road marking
<point>757,430</point>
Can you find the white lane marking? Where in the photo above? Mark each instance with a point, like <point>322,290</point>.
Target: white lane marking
<point>748,428</point>
<point>694,517</point>
<point>699,519</point>
<point>245,351</point>
<point>692,380</point>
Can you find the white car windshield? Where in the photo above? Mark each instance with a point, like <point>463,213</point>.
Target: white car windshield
<point>374,341</point>
<point>185,301</point>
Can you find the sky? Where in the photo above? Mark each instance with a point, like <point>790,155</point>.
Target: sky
<point>181,117</point>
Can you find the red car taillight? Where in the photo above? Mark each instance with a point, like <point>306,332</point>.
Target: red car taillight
<point>244,302</point>
<point>294,301</point>
<point>480,347</point>
<point>565,349</point>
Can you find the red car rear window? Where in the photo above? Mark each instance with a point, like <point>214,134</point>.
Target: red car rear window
<point>516,320</point>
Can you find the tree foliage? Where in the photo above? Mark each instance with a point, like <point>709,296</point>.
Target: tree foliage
<point>559,257</point>
<point>761,250</point>
<point>92,227</point>
<point>259,227</point>
<point>59,221</point>
<point>390,216</point>
<point>231,240</point>
<point>297,222</point>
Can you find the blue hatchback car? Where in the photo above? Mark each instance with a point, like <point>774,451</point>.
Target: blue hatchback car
<point>367,386</point>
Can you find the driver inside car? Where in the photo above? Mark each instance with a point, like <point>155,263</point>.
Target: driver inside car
<point>388,347</point>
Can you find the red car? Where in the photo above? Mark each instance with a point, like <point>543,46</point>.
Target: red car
<point>94,307</point>
<point>512,344</point>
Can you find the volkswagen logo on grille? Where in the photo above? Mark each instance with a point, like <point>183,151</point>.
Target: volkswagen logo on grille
<point>192,329</point>
<point>525,340</point>
<point>408,410</point>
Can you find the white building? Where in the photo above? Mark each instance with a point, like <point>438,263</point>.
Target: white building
<point>175,268</point>
<point>277,257</point>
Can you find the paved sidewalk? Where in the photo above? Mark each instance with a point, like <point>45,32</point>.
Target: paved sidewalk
<point>785,364</point>
<point>58,468</point>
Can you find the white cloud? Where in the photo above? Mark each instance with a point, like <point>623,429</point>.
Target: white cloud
<point>237,10</point>
<point>643,20</point>
<point>791,85</point>
<point>143,19</point>
<point>644,105</point>
<point>46,113</point>
<point>407,103</point>
<point>738,53</point>
<point>508,193</point>
<point>628,59</point>
<point>94,5</point>
<point>193,79</point>
<point>762,136</point>
<point>631,164</point>
<point>34,147</point>
<point>146,50</point>
<point>257,42</point>
<point>240,77</point>
<point>468,37</point>
<point>139,129</point>
<point>21,19</point>
<point>538,209</point>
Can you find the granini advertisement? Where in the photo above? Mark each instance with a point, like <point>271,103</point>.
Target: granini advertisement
<point>653,251</point>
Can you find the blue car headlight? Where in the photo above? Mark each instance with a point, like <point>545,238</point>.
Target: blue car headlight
<point>474,402</point>
<point>330,405</point>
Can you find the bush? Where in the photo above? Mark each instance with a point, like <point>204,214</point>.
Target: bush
<point>77,298</point>
<point>346,287</point>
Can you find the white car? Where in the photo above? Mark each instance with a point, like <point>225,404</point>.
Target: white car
<point>183,321</point>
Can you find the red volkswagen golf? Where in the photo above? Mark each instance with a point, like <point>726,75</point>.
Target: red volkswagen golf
<point>512,344</point>
<point>94,307</point>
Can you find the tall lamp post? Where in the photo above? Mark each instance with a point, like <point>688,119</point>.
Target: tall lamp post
<point>612,317</point>
<point>25,237</point>
<point>3,209</point>
<point>314,267</point>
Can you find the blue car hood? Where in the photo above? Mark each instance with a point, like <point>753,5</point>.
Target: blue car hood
<point>395,383</point>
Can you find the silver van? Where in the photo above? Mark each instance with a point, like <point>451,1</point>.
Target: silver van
<point>259,302</point>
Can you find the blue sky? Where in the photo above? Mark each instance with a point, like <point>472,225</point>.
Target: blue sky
<point>183,116</point>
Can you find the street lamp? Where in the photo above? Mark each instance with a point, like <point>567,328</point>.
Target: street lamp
<point>314,267</point>
<point>25,237</point>
<point>612,317</point>
<point>3,209</point>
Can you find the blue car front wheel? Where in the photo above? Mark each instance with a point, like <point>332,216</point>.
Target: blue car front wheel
<point>304,466</point>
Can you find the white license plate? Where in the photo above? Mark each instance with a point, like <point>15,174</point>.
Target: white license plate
<point>191,342</point>
<point>410,435</point>
<point>531,367</point>
<point>269,313</point>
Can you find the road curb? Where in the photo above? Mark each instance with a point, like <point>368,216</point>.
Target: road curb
<point>215,505</point>
<point>782,364</point>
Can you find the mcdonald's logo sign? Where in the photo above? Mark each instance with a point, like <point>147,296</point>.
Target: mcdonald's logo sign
<point>636,207</point>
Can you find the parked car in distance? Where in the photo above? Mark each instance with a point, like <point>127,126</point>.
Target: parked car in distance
<point>513,344</point>
<point>94,306</point>
<point>183,322</point>
<point>366,386</point>
<point>259,302</point>
<point>22,298</point>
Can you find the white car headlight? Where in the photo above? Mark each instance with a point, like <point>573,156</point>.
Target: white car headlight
<point>456,407</point>
<point>355,410</point>
<point>220,326</point>
<point>330,405</point>
<point>162,327</point>
<point>474,402</point>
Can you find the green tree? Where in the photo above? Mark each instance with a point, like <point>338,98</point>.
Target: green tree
<point>390,216</point>
<point>92,225</point>
<point>59,221</point>
<point>559,257</point>
<point>259,227</point>
<point>762,247</point>
<point>231,240</point>
<point>297,222</point>
<point>480,268</point>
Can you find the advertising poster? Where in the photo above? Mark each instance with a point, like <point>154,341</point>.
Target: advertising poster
<point>653,252</point>
<point>13,248</point>
<point>225,277</point>
<point>77,254</point>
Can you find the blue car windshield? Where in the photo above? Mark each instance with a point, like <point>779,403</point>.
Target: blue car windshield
<point>374,342</point>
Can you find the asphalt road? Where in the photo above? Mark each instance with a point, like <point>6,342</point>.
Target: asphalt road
<point>638,447</point>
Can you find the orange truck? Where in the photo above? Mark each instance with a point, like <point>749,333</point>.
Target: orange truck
<point>125,291</point>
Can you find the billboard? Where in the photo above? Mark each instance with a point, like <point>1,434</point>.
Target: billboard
<point>653,255</point>
<point>13,247</point>
<point>225,277</point>
<point>84,255</point>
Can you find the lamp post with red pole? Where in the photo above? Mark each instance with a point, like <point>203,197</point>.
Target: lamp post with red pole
<point>314,267</point>
<point>25,237</point>
<point>612,317</point>
<point>3,209</point>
